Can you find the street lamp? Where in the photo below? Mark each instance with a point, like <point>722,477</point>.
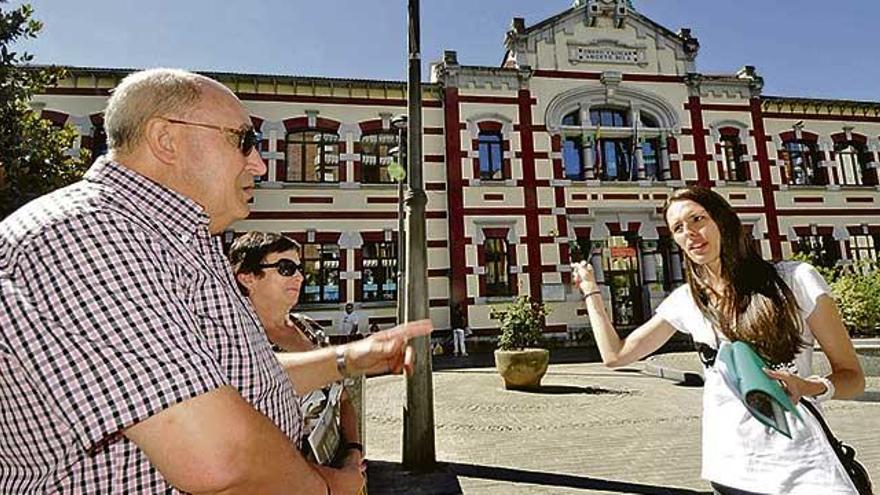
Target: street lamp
<point>397,171</point>
<point>418,413</point>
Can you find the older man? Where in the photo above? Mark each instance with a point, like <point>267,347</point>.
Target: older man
<point>129,361</point>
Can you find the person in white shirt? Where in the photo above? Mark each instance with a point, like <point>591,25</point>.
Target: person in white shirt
<point>458,343</point>
<point>349,322</point>
<point>459,333</point>
<point>732,294</point>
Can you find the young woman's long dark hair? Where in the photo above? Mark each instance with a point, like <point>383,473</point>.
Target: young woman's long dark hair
<point>757,306</point>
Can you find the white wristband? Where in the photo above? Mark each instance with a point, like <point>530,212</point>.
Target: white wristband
<point>828,394</point>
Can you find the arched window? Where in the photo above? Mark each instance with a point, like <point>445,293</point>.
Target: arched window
<point>497,266</point>
<point>732,158</point>
<point>801,160</point>
<point>491,155</point>
<point>611,148</point>
<point>376,157</point>
<point>312,156</point>
<point>852,159</point>
<point>608,117</point>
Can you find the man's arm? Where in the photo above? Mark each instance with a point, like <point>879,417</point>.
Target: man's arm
<point>348,419</point>
<point>380,353</point>
<point>348,423</point>
<point>218,443</point>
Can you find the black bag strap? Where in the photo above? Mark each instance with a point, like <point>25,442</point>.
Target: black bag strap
<point>835,443</point>
<point>845,453</point>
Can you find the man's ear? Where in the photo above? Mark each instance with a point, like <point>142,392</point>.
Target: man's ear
<point>163,138</point>
<point>246,279</point>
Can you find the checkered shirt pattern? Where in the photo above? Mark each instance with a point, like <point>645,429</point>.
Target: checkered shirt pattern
<point>116,303</point>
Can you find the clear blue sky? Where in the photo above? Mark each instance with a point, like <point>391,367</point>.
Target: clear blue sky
<point>811,48</point>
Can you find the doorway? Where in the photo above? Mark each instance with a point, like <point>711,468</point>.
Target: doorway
<point>620,262</point>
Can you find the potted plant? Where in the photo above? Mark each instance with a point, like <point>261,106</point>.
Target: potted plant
<point>520,359</point>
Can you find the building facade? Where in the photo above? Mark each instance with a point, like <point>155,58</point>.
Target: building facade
<point>564,152</point>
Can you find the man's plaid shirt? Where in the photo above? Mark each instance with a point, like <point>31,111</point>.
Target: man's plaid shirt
<point>116,303</point>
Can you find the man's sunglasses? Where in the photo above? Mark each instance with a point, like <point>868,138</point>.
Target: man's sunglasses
<point>246,138</point>
<point>285,267</point>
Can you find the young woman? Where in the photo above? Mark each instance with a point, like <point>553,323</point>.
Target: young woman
<point>781,310</point>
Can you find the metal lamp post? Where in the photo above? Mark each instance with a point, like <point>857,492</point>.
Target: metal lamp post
<point>418,413</point>
<point>398,173</point>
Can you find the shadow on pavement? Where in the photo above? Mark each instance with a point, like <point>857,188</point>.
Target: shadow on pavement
<point>562,480</point>
<point>390,478</point>
<point>571,389</point>
<point>869,396</point>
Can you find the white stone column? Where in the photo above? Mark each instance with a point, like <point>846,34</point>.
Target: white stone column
<point>588,152</point>
<point>665,166</point>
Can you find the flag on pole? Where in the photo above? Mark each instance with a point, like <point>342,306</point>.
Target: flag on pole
<point>633,163</point>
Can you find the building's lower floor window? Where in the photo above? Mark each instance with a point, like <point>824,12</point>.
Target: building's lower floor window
<point>321,264</point>
<point>379,276</point>
<point>864,247</point>
<point>497,267</point>
<point>822,250</point>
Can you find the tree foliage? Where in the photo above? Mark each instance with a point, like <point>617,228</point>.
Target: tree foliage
<point>521,323</point>
<point>857,291</point>
<point>34,157</point>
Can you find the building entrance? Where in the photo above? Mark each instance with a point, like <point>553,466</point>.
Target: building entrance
<point>620,262</point>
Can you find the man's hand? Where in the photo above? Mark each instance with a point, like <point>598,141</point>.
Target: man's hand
<point>385,351</point>
<point>345,480</point>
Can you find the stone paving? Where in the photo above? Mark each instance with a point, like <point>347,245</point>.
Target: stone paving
<point>589,430</point>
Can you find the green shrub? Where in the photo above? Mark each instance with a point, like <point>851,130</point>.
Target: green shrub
<point>521,323</point>
<point>857,291</point>
<point>829,274</point>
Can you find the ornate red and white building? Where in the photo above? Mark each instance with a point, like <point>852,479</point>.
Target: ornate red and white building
<point>566,150</point>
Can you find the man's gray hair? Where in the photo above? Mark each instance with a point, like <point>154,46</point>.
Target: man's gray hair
<point>144,95</point>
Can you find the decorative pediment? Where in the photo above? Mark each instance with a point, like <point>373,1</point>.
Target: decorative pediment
<point>600,34</point>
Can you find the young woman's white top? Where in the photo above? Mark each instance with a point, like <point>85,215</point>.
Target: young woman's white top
<point>738,450</point>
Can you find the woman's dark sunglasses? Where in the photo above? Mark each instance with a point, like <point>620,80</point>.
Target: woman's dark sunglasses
<point>285,267</point>
<point>246,138</point>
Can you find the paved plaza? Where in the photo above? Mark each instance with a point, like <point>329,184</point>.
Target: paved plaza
<point>589,430</point>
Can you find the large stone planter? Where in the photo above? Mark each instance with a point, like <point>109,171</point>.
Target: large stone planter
<point>522,370</point>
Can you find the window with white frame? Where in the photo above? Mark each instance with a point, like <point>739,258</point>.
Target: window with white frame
<point>379,275</point>
<point>607,147</point>
<point>312,156</point>
<point>863,247</point>
<point>376,157</point>
<point>851,161</point>
<point>321,272</point>
<point>801,161</point>
<point>497,253</point>
<point>491,155</point>
<point>732,158</point>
